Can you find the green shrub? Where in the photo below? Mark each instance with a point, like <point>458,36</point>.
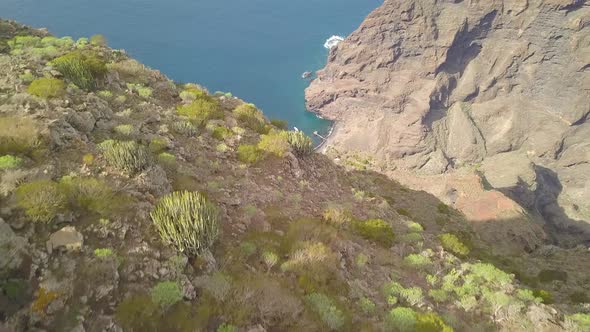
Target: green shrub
<point>552,275</point>
<point>192,92</point>
<point>167,159</point>
<point>47,47</point>
<point>222,147</point>
<point>438,295</point>
<point>83,68</point>
<point>247,248</point>
<point>325,308</point>
<point>274,143</point>
<point>125,130</point>
<point>103,252</point>
<point>186,220</point>
<point>137,313</point>
<point>98,40</point>
<point>47,88</point>
<point>158,145</point>
<point>166,293</point>
<point>579,322</point>
<point>27,77</point>
<point>105,94</point>
<point>130,71</point>
<point>361,260</point>
<point>82,42</point>
<point>337,216</point>
<point>302,145</point>
<point>401,319</point>
<point>367,306</point>
<point>545,296</point>
<point>270,259</point>
<point>128,156</point>
<point>185,128</point>
<point>202,109</point>
<point>221,133</point>
<point>280,124</point>
<point>312,257</point>
<point>92,195</point>
<point>227,328</point>
<point>42,200</point>
<point>417,261</point>
<point>249,154</point>
<point>452,243</point>
<point>251,117</point>
<point>141,90</point>
<point>20,42</point>
<point>10,162</point>
<point>415,227</point>
<point>431,322</point>
<point>376,230</point>
<point>394,291</point>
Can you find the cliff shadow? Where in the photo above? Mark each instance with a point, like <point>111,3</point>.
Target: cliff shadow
<point>543,204</point>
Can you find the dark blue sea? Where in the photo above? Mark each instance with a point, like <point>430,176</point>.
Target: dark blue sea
<point>255,49</point>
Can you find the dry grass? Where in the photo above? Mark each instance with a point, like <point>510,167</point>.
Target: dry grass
<point>17,135</point>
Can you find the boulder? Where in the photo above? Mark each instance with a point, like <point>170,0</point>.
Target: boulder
<point>66,238</point>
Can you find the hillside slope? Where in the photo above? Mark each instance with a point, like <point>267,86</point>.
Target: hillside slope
<point>131,203</point>
<point>445,93</point>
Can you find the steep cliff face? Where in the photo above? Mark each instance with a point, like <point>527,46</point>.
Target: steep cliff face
<point>495,88</point>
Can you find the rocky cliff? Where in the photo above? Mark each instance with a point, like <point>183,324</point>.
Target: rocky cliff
<point>462,97</point>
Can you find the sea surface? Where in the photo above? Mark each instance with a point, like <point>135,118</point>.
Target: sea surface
<point>255,49</point>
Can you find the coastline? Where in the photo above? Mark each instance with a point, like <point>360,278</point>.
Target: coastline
<point>324,142</point>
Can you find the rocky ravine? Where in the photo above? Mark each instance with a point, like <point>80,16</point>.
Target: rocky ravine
<point>455,97</point>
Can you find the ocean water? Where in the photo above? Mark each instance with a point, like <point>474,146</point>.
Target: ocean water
<point>255,49</point>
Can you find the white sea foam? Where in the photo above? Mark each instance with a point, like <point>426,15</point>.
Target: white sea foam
<point>333,41</point>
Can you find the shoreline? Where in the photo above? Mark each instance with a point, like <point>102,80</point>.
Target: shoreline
<point>327,137</point>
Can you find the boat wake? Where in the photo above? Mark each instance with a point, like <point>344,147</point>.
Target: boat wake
<point>333,41</point>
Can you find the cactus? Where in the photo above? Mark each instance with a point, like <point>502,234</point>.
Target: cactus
<point>185,128</point>
<point>186,220</point>
<point>302,145</point>
<point>128,156</point>
<point>82,68</point>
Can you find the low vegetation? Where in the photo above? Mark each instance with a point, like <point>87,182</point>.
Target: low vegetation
<point>250,117</point>
<point>10,162</point>
<point>42,200</point>
<point>202,109</point>
<point>127,156</point>
<point>47,88</point>
<point>17,135</point>
<point>81,67</point>
<point>376,230</point>
<point>186,220</point>
<point>302,145</point>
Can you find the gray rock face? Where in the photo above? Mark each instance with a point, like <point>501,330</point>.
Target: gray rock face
<point>13,249</point>
<point>430,87</point>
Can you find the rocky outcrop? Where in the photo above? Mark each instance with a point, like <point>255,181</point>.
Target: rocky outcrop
<point>433,87</point>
